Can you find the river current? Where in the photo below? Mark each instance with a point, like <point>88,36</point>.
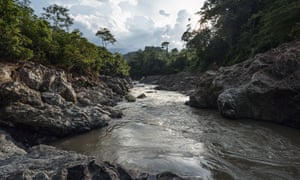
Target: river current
<point>159,133</point>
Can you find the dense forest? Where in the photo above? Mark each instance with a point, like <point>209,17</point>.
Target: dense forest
<point>47,40</point>
<point>230,31</point>
<point>158,61</point>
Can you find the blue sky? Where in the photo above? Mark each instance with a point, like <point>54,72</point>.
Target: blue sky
<point>134,23</point>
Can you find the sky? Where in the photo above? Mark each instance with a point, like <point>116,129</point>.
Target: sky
<point>134,23</point>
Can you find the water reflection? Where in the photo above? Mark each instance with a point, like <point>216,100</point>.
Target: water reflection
<point>159,133</point>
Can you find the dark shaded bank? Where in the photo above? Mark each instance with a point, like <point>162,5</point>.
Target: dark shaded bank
<point>184,82</point>
<point>265,87</point>
<point>38,105</point>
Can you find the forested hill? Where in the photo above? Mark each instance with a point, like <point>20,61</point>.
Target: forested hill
<point>229,31</point>
<point>48,40</point>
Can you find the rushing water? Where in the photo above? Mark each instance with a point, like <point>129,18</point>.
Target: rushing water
<point>160,133</point>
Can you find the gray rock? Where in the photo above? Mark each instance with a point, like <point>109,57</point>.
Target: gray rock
<point>130,98</point>
<point>53,98</point>
<point>46,162</point>
<point>8,148</point>
<point>265,87</point>
<point>43,101</point>
<point>55,120</point>
<point>11,92</point>
<point>41,78</point>
<point>141,96</point>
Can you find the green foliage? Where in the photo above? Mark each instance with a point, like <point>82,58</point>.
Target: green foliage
<point>25,36</point>
<point>155,61</point>
<point>231,31</point>
<point>12,41</point>
<point>58,15</point>
<point>105,35</point>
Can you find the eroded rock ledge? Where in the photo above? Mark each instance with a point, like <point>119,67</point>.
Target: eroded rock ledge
<point>265,87</point>
<point>45,102</point>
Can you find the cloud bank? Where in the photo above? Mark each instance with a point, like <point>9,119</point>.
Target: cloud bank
<point>134,23</point>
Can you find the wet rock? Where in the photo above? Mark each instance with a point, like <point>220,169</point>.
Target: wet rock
<point>130,98</point>
<point>150,91</point>
<point>265,87</point>
<point>141,96</point>
<point>46,162</point>
<point>167,176</point>
<point>8,147</point>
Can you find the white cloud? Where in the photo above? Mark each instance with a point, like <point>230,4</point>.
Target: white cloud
<point>163,13</point>
<point>134,23</point>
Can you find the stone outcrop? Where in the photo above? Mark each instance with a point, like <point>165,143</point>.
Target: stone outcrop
<point>8,147</point>
<point>265,87</point>
<point>48,102</point>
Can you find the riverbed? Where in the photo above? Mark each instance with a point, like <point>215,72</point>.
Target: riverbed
<point>159,133</point>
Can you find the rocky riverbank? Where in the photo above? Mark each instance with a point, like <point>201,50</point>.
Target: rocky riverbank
<point>40,103</point>
<point>265,87</point>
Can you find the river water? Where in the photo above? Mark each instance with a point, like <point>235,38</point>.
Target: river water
<point>160,133</point>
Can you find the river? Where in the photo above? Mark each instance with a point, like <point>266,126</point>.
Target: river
<point>159,133</point>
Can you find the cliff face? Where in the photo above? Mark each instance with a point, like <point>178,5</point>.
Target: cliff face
<point>265,87</point>
<point>38,101</point>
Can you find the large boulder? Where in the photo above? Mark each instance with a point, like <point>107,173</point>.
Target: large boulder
<point>265,87</point>
<point>41,78</point>
<point>55,120</point>
<point>8,147</point>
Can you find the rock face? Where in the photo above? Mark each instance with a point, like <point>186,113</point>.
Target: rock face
<point>8,148</point>
<point>265,87</point>
<point>46,102</point>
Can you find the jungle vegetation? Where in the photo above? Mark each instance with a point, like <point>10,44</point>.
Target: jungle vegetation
<point>48,40</point>
<point>229,31</point>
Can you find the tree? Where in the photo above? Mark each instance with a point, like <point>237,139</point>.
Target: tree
<point>165,44</point>
<point>58,15</point>
<point>106,37</point>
